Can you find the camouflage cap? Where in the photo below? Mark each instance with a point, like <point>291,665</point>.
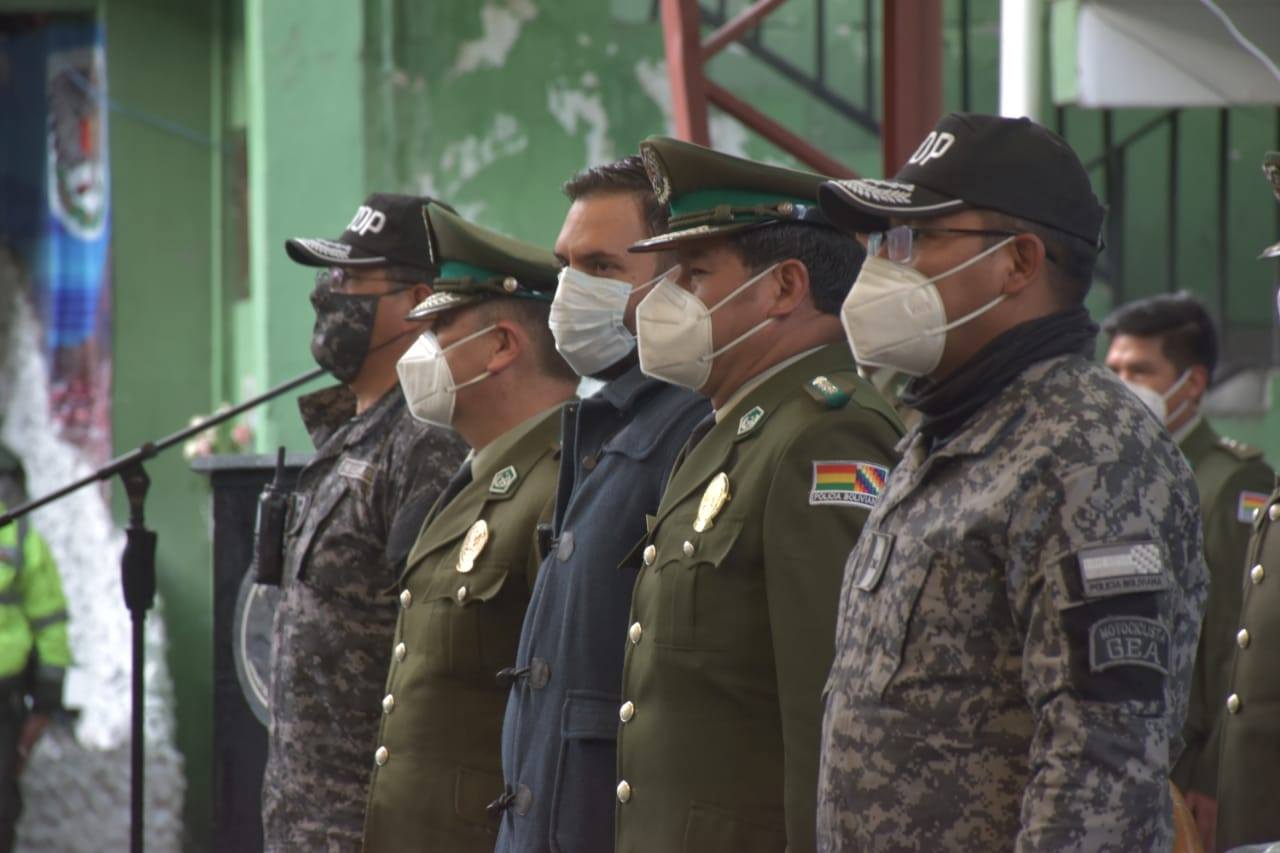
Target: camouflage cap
<point>712,194</point>
<point>385,231</point>
<point>1271,168</point>
<point>477,264</point>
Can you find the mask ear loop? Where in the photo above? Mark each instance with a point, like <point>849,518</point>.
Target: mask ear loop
<point>1173,389</point>
<point>757,327</point>
<point>471,337</point>
<point>924,282</point>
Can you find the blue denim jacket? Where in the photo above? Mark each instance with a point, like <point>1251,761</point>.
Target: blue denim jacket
<point>559,735</point>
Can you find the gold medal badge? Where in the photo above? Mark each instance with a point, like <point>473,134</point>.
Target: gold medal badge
<point>472,545</point>
<point>713,500</point>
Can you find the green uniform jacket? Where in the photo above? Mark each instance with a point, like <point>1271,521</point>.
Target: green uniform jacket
<point>438,762</point>
<point>33,618</point>
<point>733,628</point>
<point>1233,480</point>
<point>1249,761</point>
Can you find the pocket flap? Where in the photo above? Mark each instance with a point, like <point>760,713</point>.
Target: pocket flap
<point>589,715</point>
<point>444,582</point>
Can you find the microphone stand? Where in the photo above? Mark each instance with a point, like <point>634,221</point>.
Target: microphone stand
<point>138,564</point>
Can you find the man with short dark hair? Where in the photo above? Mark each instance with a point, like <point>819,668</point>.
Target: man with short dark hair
<point>560,734</point>
<point>1165,349</point>
<point>732,617</point>
<point>1018,621</point>
<point>353,514</point>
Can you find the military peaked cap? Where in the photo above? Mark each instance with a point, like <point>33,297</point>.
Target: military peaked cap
<point>712,194</point>
<point>477,264</point>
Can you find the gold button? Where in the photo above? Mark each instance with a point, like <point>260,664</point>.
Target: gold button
<point>461,594</point>
<point>1257,573</point>
<point>650,554</point>
<point>1273,512</point>
<point>380,757</point>
<point>388,703</point>
<point>400,651</point>
<point>1242,638</point>
<point>1233,703</point>
<point>627,711</point>
<point>624,791</point>
<point>406,598</point>
<point>688,548</point>
<point>634,632</point>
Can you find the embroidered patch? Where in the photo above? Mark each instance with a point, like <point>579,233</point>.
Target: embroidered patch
<point>1249,505</point>
<point>1118,569</point>
<point>1128,641</point>
<point>875,556</point>
<point>357,469</point>
<point>748,421</point>
<point>503,480</point>
<point>847,483</point>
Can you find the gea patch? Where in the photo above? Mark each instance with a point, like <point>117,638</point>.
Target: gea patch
<point>1118,569</point>
<point>1128,641</point>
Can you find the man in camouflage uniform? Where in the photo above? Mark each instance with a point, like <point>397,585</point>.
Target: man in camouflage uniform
<point>732,617</point>
<point>355,509</point>
<point>1018,621</point>
<point>1165,349</point>
<point>487,367</point>
<point>1249,761</point>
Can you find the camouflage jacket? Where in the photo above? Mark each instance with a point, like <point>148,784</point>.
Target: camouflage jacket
<point>337,612</point>
<point>1016,632</point>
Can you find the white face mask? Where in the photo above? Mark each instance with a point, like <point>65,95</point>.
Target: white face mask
<point>1159,403</point>
<point>427,380</point>
<point>674,331</point>
<point>587,320</point>
<point>894,317</point>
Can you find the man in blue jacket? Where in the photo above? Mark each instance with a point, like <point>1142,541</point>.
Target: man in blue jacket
<point>559,736</point>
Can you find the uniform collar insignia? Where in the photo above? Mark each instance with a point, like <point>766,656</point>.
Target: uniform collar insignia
<point>750,421</point>
<point>503,480</point>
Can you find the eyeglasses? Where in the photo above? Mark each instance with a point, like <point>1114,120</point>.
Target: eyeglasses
<point>341,280</point>
<point>898,244</point>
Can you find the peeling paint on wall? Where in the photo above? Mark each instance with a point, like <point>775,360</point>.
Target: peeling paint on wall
<point>572,107</point>
<point>502,25</point>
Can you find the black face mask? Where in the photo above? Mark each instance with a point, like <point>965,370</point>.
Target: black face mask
<point>344,327</point>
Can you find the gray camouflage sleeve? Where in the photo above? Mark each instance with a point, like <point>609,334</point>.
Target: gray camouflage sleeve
<point>1099,758</point>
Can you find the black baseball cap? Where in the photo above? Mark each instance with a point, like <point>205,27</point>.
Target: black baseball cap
<point>387,230</point>
<point>972,160</point>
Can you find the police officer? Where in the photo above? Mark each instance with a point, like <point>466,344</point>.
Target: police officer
<point>1019,619</point>
<point>374,470</point>
<point>488,368</point>
<point>732,616</point>
<point>1249,761</point>
<point>34,653</point>
<point>1165,349</point>
<point>559,740</point>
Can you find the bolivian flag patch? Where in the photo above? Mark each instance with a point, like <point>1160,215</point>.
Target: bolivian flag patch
<point>844,483</point>
<point>1248,505</point>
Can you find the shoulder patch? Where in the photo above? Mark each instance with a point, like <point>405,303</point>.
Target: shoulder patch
<point>1249,504</point>
<point>847,483</point>
<point>1107,570</point>
<point>1128,641</point>
<point>1239,449</point>
<point>748,422</point>
<point>356,469</point>
<point>503,480</point>
<point>832,393</point>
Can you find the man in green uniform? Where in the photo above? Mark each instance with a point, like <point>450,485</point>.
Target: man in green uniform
<point>34,653</point>
<point>1249,733</point>
<point>1165,349</point>
<point>487,366</point>
<point>732,619</point>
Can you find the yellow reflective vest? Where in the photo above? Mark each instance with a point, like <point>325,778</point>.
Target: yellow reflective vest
<point>33,618</point>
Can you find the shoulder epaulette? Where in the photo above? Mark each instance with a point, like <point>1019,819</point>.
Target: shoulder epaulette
<point>1239,449</point>
<point>832,392</point>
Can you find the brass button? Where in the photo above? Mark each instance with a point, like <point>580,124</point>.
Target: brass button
<point>634,632</point>
<point>1257,573</point>
<point>1273,512</point>
<point>624,791</point>
<point>1242,638</point>
<point>380,757</point>
<point>388,703</point>
<point>650,554</point>
<point>688,548</point>
<point>627,711</point>
<point>1233,703</point>
<point>461,594</point>
<point>400,651</point>
<point>406,598</point>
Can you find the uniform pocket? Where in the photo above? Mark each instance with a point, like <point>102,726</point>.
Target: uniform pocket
<point>314,516</point>
<point>711,828</point>
<point>696,584</point>
<point>887,577</point>
<point>461,636</point>
<point>583,797</point>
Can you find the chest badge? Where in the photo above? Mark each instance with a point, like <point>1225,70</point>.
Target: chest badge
<point>472,544</point>
<point>748,421</point>
<point>503,480</point>
<point>713,500</point>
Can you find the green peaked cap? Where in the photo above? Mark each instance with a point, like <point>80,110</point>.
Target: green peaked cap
<point>477,264</point>
<point>712,194</point>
